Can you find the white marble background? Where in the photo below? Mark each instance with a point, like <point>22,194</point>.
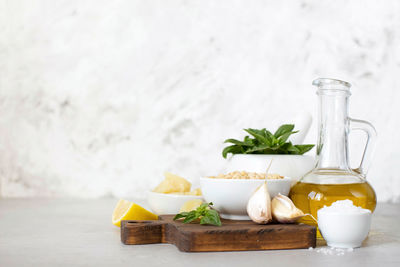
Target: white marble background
<point>98,98</point>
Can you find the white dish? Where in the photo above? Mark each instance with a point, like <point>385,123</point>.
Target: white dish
<point>230,196</point>
<point>293,166</point>
<point>168,203</point>
<point>344,230</point>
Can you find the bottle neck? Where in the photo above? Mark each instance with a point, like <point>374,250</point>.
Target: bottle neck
<point>333,128</point>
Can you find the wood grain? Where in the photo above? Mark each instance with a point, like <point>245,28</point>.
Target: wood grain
<point>231,236</point>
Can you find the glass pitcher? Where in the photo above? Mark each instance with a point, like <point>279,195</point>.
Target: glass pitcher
<point>332,178</point>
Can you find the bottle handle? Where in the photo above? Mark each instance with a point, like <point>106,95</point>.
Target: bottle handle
<point>369,146</point>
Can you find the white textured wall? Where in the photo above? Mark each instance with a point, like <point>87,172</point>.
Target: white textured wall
<point>98,98</point>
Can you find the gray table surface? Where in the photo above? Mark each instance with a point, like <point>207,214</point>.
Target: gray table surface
<point>71,232</point>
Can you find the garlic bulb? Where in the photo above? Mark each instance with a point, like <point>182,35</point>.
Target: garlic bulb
<point>259,205</point>
<point>284,211</point>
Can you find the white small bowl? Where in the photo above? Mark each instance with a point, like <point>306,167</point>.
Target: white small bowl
<point>344,230</point>
<point>168,203</point>
<point>230,196</point>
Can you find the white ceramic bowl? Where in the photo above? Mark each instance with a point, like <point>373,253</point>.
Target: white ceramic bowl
<point>293,166</point>
<point>168,203</point>
<point>230,196</point>
<point>344,230</point>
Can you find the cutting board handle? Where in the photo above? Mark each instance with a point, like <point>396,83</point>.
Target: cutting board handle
<point>142,232</point>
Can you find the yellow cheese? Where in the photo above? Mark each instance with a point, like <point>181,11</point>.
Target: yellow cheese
<point>191,205</point>
<point>173,183</point>
<point>195,192</point>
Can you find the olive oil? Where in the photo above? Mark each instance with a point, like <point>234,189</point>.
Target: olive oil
<point>332,178</point>
<point>311,197</point>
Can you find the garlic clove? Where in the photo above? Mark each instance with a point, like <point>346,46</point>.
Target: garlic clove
<point>259,205</point>
<point>284,211</point>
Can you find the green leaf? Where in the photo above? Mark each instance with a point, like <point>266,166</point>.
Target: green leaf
<point>257,149</point>
<point>286,146</point>
<point>211,217</point>
<point>275,142</point>
<point>191,216</point>
<point>258,135</point>
<point>304,148</point>
<point>270,137</point>
<point>264,142</point>
<point>248,141</point>
<point>261,136</point>
<point>284,137</point>
<point>202,209</point>
<point>285,128</point>
<point>234,149</point>
<point>180,215</point>
<point>203,212</point>
<point>237,142</point>
<point>292,149</point>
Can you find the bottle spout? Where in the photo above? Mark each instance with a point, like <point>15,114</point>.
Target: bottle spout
<point>331,84</point>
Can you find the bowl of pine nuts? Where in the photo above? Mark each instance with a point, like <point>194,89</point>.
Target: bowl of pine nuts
<point>230,192</point>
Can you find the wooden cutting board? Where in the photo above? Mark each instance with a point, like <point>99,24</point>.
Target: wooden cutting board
<point>231,236</point>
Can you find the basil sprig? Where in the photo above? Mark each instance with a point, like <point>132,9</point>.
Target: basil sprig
<point>264,142</point>
<point>204,213</point>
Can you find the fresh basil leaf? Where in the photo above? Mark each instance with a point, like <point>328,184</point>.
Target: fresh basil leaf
<point>237,142</point>
<point>304,148</point>
<point>292,149</point>
<point>264,142</point>
<point>202,209</point>
<point>284,129</point>
<point>249,142</point>
<point>275,142</point>
<point>180,215</point>
<point>284,137</point>
<point>191,216</point>
<point>269,136</point>
<point>283,149</point>
<point>205,205</point>
<point>257,134</point>
<point>203,212</point>
<point>234,149</point>
<point>257,149</point>
<point>211,217</point>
